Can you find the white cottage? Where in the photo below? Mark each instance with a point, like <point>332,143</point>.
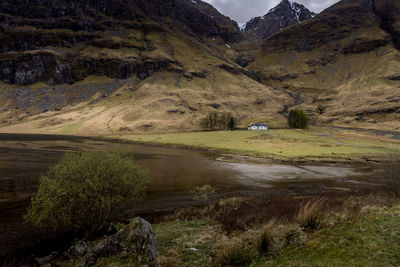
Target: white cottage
<point>258,127</point>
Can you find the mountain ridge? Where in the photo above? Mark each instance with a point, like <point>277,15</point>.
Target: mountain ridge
<point>342,64</point>
<point>280,17</point>
<point>81,68</point>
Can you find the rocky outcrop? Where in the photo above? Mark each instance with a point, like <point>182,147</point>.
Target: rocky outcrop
<point>26,68</point>
<point>29,68</point>
<point>136,240</point>
<point>77,250</point>
<point>395,77</point>
<point>277,19</point>
<point>364,45</point>
<point>116,68</point>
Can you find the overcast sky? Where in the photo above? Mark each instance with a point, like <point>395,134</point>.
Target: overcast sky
<point>243,10</point>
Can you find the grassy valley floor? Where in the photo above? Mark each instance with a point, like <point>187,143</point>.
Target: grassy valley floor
<point>316,144</point>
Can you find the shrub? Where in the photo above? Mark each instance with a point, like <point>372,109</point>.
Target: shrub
<point>234,255</point>
<point>392,178</point>
<point>86,191</point>
<point>310,213</point>
<point>298,119</point>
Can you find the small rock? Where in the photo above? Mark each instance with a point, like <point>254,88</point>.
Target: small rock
<point>45,261</point>
<point>79,249</point>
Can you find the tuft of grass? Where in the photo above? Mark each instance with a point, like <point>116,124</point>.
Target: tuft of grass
<point>265,241</point>
<point>170,260</point>
<point>310,213</point>
<point>293,235</point>
<point>232,254</point>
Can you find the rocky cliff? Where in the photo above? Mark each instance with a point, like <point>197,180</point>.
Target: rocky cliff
<point>277,19</point>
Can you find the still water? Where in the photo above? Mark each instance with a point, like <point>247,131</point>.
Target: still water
<point>174,173</point>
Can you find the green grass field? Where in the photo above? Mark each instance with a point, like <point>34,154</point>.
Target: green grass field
<point>370,240</point>
<point>285,144</point>
<point>373,240</point>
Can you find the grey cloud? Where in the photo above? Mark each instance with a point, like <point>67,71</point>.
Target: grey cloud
<point>243,10</point>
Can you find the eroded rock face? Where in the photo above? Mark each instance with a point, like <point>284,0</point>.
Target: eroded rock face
<point>26,69</point>
<point>136,240</point>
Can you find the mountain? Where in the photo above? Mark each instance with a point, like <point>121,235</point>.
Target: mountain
<point>106,66</point>
<point>343,66</point>
<point>278,18</point>
<point>114,67</point>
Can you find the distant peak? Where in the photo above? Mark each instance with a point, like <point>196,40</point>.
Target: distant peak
<point>286,13</point>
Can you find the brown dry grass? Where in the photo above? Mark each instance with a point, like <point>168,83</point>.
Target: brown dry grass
<point>170,260</point>
<point>232,254</point>
<point>265,241</point>
<point>311,213</point>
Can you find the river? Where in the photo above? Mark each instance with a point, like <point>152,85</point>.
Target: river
<point>174,173</point>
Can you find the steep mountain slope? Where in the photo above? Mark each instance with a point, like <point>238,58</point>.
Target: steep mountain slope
<point>98,67</point>
<point>342,66</point>
<point>280,17</point>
